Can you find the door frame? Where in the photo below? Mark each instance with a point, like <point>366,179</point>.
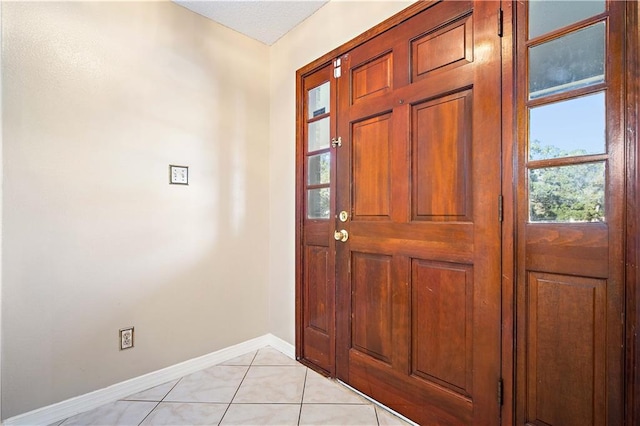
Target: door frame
<point>632,249</point>
<point>509,158</point>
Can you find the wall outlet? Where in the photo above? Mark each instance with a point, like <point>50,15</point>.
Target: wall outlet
<point>126,338</point>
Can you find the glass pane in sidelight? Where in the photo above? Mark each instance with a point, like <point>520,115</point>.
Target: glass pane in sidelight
<point>319,100</point>
<point>567,193</point>
<point>568,128</point>
<point>567,63</point>
<point>546,16</point>
<point>318,135</point>
<point>318,203</point>
<point>318,169</point>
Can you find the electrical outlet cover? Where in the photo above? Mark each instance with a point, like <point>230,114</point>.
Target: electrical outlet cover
<point>178,175</point>
<point>126,338</point>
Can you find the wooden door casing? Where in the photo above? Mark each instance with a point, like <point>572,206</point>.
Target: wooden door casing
<point>632,259</point>
<point>418,281</point>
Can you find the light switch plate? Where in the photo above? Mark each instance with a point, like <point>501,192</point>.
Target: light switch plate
<point>178,175</point>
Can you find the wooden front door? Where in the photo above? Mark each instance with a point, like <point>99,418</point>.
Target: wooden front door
<point>419,180</point>
<point>400,154</point>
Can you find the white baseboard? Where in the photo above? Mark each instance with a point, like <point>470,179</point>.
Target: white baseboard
<point>281,345</point>
<point>71,407</point>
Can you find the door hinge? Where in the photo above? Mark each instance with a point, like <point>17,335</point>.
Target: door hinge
<point>336,142</point>
<point>500,208</point>
<point>337,68</point>
<point>500,391</point>
<point>500,22</point>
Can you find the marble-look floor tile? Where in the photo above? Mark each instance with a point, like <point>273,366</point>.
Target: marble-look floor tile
<point>154,394</point>
<point>334,414</point>
<point>265,394</point>
<point>264,384</point>
<point>215,384</point>
<point>184,413</point>
<point>262,414</point>
<point>245,359</point>
<point>270,356</point>
<point>385,418</point>
<point>319,389</point>
<point>119,413</point>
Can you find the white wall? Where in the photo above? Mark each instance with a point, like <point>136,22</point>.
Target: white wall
<point>331,26</point>
<point>99,98</point>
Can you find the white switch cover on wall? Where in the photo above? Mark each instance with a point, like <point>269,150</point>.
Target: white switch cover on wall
<point>179,175</point>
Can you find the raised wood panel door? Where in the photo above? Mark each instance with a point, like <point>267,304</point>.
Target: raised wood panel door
<point>315,304</point>
<point>570,291</point>
<point>418,173</point>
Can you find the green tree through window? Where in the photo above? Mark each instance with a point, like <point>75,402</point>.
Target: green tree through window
<point>567,193</point>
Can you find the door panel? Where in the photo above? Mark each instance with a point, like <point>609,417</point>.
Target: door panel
<point>315,303</point>
<point>441,134</point>
<point>567,341</point>
<point>316,277</point>
<point>372,324</point>
<point>371,168</point>
<point>570,294</point>
<point>418,279</point>
<point>443,49</point>
<point>442,326</point>
<point>372,78</point>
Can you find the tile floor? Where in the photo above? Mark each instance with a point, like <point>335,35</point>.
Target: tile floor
<point>263,387</point>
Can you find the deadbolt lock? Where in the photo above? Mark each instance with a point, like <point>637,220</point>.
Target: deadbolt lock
<point>341,235</point>
<point>343,216</point>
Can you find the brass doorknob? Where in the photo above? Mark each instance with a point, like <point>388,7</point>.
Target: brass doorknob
<point>341,235</point>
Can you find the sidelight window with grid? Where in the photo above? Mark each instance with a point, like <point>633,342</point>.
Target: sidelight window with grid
<point>318,156</point>
<point>566,103</point>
